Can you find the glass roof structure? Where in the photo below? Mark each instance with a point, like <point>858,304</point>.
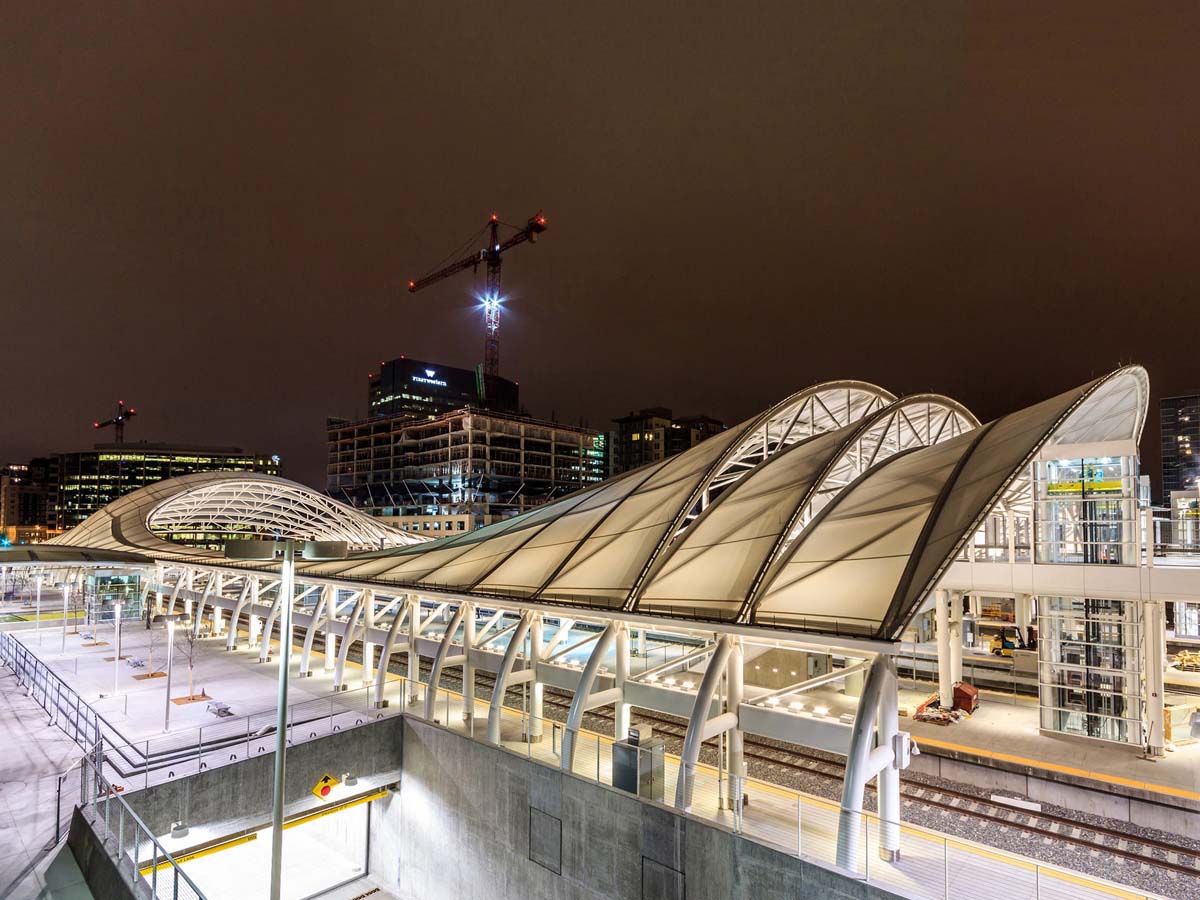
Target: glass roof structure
<point>834,512</point>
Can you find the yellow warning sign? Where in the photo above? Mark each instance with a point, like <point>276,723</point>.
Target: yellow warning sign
<point>324,786</point>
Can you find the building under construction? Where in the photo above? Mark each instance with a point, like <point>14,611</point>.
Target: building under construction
<point>461,469</point>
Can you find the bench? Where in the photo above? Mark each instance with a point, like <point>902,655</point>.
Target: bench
<point>135,663</point>
<point>219,709</point>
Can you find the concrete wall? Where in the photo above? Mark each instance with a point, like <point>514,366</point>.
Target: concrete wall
<point>243,789</point>
<point>98,867</point>
<point>472,820</point>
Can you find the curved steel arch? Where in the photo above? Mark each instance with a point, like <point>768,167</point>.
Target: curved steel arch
<point>919,420</point>
<point>969,482</point>
<point>266,506</point>
<point>821,407</point>
<point>262,504</point>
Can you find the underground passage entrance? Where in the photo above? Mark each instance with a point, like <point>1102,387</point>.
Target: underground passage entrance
<point>322,850</point>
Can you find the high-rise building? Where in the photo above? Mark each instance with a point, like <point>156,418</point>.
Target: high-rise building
<point>1179,424</point>
<point>24,491</point>
<point>412,387</point>
<point>460,469</point>
<point>90,479</point>
<point>652,434</point>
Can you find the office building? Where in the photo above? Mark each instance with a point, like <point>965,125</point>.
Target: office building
<point>87,480</point>
<point>1179,427</point>
<point>653,434</point>
<point>414,388</point>
<point>461,469</point>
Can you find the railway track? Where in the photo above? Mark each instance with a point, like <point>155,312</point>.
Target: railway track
<point>1095,838</point>
<point>1047,826</point>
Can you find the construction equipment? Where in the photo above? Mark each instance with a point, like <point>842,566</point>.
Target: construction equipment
<point>1003,645</point>
<point>490,256</point>
<point>118,421</point>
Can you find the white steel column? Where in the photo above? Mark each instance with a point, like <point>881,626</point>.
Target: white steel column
<point>700,726</point>
<point>1154,642</point>
<point>443,657</point>
<point>414,656</point>
<point>385,658</point>
<point>1023,610</point>
<point>348,637</point>
<point>368,648</point>
<point>621,712</point>
<point>536,688</point>
<point>320,609</point>
<point>734,694</point>
<point>956,638</point>
<point>264,650</point>
<point>511,652</point>
<point>941,606</point>
<point>584,699</point>
<point>871,751</point>
<point>887,727</point>
<point>236,615</point>
<point>468,678</point>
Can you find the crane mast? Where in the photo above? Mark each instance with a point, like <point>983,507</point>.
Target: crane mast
<point>491,256</point>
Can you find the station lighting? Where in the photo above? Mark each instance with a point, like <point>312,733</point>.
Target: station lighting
<point>285,552</point>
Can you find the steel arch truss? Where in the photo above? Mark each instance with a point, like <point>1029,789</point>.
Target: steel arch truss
<point>270,508</point>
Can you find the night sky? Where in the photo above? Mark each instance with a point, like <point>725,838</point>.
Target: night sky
<point>211,210</point>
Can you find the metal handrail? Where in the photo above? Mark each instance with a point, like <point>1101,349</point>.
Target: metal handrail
<point>103,790</point>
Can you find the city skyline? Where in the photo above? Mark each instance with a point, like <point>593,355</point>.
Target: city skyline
<point>215,217</point>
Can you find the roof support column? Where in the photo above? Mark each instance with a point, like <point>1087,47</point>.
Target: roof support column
<point>621,711</point>
<point>734,694</point>
<point>1154,642</point>
<point>264,650</point>
<point>385,657</point>
<point>1023,608</point>
<point>442,658</point>
<point>348,637</point>
<point>941,606</point>
<point>877,748</point>
<point>235,616</point>
<point>468,678</point>
<point>368,648</point>
<point>536,688</point>
<point>511,652</point>
<point>414,655</point>
<point>581,702</point>
<point>321,609</point>
<point>956,639</point>
<point>700,726</point>
<point>215,582</point>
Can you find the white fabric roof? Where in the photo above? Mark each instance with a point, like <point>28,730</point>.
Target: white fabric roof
<point>835,511</point>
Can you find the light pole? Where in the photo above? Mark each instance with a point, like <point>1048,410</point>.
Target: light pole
<point>66,586</point>
<point>37,615</point>
<point>285,551</point>
<point>170,655</point>
<point>117,642</point>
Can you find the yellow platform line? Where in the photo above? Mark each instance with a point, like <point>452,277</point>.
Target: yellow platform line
<point>1067,770</point>
<point>204,851</point>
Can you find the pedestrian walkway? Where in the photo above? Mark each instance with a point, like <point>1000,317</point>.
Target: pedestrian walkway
<point>33,756</point>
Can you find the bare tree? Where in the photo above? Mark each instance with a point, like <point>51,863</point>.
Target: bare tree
<point>76,604</point>
<point>154,638</point>
<point>186,643</point>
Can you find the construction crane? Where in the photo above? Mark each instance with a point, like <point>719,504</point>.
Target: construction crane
<point>118,421</point>
<point>490,256</point>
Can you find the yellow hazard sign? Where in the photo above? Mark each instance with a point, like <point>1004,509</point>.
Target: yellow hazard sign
<point>325,785</point>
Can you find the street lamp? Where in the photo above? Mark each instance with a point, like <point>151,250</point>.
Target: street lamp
<point>171,620</point>
<point>285,551</point>
<point>37,580</point>
<point>117,642</point>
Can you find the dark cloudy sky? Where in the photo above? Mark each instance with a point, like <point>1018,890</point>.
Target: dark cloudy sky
<point>211,209</point>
